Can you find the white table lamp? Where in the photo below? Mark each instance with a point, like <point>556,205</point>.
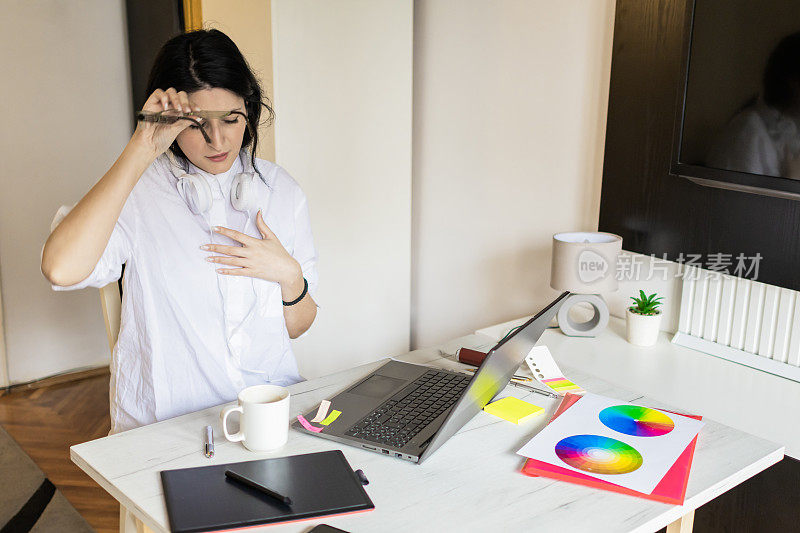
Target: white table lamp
<point>584,264</point>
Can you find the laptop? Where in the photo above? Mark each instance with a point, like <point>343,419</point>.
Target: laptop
<point>407,411</point>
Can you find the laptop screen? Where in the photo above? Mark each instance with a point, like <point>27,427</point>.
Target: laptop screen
<point>494,373</point>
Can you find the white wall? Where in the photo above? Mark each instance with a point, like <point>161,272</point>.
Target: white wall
<point>342,78</point>
<point>510,104</point>
<point>67,116</point>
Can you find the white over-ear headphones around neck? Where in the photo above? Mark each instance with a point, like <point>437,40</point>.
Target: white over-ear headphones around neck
<point>196,191</point>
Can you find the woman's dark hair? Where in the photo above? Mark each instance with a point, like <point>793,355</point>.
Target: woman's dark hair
<point>206,59</point>
<point>782,74</point>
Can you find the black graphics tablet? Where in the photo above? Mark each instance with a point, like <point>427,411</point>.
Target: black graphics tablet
<point>319,484</point>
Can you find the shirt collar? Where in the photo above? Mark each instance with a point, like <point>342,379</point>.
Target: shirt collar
<point>223,179</point>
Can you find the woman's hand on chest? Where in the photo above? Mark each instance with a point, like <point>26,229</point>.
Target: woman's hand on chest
<point>263,258</point>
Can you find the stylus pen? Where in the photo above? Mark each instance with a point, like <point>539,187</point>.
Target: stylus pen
<point>534,389</point>
<point>258,486</point>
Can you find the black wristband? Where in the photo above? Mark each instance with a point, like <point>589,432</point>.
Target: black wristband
<point>305,290</point>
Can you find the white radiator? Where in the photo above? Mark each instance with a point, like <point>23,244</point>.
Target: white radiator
<point>744,321</point>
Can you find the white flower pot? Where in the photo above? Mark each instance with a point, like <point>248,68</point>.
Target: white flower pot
<point>642,330</point>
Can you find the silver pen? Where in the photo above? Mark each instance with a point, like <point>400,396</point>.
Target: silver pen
<point>209,442</point>
<point>534,389</point>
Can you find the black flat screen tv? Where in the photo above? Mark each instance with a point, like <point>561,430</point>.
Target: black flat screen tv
<point>738,112</point>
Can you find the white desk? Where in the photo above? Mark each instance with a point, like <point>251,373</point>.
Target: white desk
<point>472,483</point>
<point>735,395</point>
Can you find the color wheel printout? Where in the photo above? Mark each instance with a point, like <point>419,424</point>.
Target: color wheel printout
<point>628,445</point>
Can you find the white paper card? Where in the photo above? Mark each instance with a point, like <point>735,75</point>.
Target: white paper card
<point>322,412</point>
<point>545,370</point>
<point>614,441</point>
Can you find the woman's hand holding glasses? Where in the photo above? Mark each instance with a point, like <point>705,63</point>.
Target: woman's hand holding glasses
<point>161,119</point>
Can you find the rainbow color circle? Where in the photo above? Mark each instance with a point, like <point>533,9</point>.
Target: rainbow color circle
<point>637,421</point>
<point>599,455</point>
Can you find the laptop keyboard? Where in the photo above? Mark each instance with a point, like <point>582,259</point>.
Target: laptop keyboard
<point>404,415</point>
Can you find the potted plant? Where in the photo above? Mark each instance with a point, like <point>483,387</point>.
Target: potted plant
<point>643,319</point>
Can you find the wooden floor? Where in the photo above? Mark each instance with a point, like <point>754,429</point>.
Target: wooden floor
<point>45,422</point>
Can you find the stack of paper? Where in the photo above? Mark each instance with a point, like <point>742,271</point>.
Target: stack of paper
<point>604,443</point>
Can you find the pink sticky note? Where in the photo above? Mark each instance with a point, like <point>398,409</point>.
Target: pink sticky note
<point>306,424</point>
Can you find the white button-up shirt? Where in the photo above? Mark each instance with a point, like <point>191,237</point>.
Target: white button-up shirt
<point>191,338</point>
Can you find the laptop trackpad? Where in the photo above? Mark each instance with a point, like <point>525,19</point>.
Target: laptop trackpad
<point>377,386</point>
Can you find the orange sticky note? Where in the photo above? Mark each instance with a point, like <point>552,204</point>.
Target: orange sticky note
<point>513,409</point>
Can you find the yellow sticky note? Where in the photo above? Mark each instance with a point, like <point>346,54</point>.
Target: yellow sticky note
<point>513,409</point>
<point>331,417</point>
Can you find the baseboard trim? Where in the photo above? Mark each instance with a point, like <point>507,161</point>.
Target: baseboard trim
<point>66,377</point>
<point>738,356</point>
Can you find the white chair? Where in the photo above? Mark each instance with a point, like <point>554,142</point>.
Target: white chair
<point>111,302</point>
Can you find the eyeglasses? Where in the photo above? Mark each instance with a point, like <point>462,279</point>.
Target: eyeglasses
<point>170,116</point>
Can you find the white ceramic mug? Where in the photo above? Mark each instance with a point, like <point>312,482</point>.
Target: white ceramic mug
<point>264,420</point>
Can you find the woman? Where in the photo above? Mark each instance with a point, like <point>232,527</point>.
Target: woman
<point>220,260</point>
